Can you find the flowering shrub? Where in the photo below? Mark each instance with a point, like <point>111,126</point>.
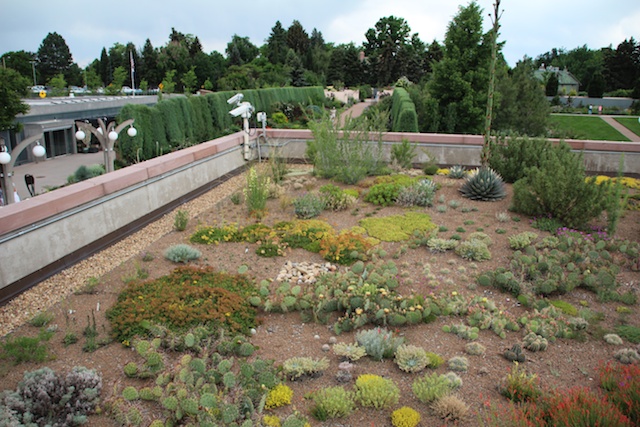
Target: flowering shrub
<point>215,235</point>
<point>279,396</point>
<point>186,297</point>
<point>519,386</point>
<point>256,193</point>
<point>405,417</point>
<point>375,391</point>
<point>344,248</point>
<point>621,384</point>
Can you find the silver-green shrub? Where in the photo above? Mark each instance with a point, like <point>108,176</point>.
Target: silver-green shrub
<point>378,342</point>
<point>474,250</point>
<point>45,398</point>
<point>308,206</point>
<point>182,253</point>
<point>438,244</point>
<point>420,193</point>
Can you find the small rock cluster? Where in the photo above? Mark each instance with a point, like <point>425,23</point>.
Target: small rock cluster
<point>303,272</point>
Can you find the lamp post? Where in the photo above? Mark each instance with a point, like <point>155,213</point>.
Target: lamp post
<point>7,161</point>
<point>107,135</point>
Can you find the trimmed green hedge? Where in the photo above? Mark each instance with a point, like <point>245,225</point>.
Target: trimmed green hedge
<point>403,112</point>
<point>179,122</point>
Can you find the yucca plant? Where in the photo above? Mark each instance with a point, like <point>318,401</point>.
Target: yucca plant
<point>484,184</point>
<point>457,172</point>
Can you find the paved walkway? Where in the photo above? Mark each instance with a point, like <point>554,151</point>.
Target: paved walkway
<point>620,128</point>
<point>52,172</point>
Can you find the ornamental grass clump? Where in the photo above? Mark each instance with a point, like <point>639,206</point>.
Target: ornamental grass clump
<point>376,392</point>
<point>333,402</point>
<point>450,408</point>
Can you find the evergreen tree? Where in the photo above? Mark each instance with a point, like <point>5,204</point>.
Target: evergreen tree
<point>552,84</point>
<point>596,86</point>
<point>104,68</point>
<point>148,68</point>
<point>383,46</point>
<point>276,47</point>
<point>623,65</point>
<point>521,105</point>
<point>460,79</point>
<point>54,56</point>
<point>240,50</point>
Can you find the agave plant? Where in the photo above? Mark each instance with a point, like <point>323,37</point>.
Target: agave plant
<point>457,172</point>
<point>484,184</point>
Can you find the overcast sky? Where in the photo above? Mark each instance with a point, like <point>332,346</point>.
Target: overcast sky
<point>528,27</point>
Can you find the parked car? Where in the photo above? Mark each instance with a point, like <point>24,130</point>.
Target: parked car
<point>78,90</point>
<point>128,91</point>
<point>38,89</point>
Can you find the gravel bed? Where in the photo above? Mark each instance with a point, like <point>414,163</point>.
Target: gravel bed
<point>54,289</point>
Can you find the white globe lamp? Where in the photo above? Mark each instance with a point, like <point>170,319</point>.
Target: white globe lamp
<point>80,135</point>
<point>132,131</point>
<point>39,151</point>
<point>5,158</point>
<point>113,135</point>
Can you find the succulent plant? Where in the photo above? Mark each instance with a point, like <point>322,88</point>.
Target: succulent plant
<point>627,356</point>
<point>411,358</point>
<point>352,351</point>
<point>613,339</point>
<point>458,363</point>
<point>474,348</point>
<point>457,172</point>
<point>484,184</point>
<point>514,354</point>
<point>534,342</point>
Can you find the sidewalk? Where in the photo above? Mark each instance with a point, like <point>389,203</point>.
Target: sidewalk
<point>52,172</point>
<point>620,128</point>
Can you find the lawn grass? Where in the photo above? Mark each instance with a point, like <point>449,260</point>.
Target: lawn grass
<point>584,127</point>
<point>630,123</point>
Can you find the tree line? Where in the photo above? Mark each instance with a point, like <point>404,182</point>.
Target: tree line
<point>448,87</point>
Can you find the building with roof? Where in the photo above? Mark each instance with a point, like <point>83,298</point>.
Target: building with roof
<point>567,82</point>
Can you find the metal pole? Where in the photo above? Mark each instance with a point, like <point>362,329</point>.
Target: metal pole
<point>7,170</point>
<point>33,66</point>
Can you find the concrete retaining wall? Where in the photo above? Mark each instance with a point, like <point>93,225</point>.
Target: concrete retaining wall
<point>42,230</point>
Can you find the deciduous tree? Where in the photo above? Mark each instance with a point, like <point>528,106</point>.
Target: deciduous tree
<point>13,87</point>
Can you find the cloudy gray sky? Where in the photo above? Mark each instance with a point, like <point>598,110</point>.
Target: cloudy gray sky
<point>528,27</point>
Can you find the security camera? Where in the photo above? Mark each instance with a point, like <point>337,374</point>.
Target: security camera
<point>244,109</point>
<point>235,99</point>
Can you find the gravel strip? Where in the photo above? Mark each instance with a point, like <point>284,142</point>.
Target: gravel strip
<point>49,292</point>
